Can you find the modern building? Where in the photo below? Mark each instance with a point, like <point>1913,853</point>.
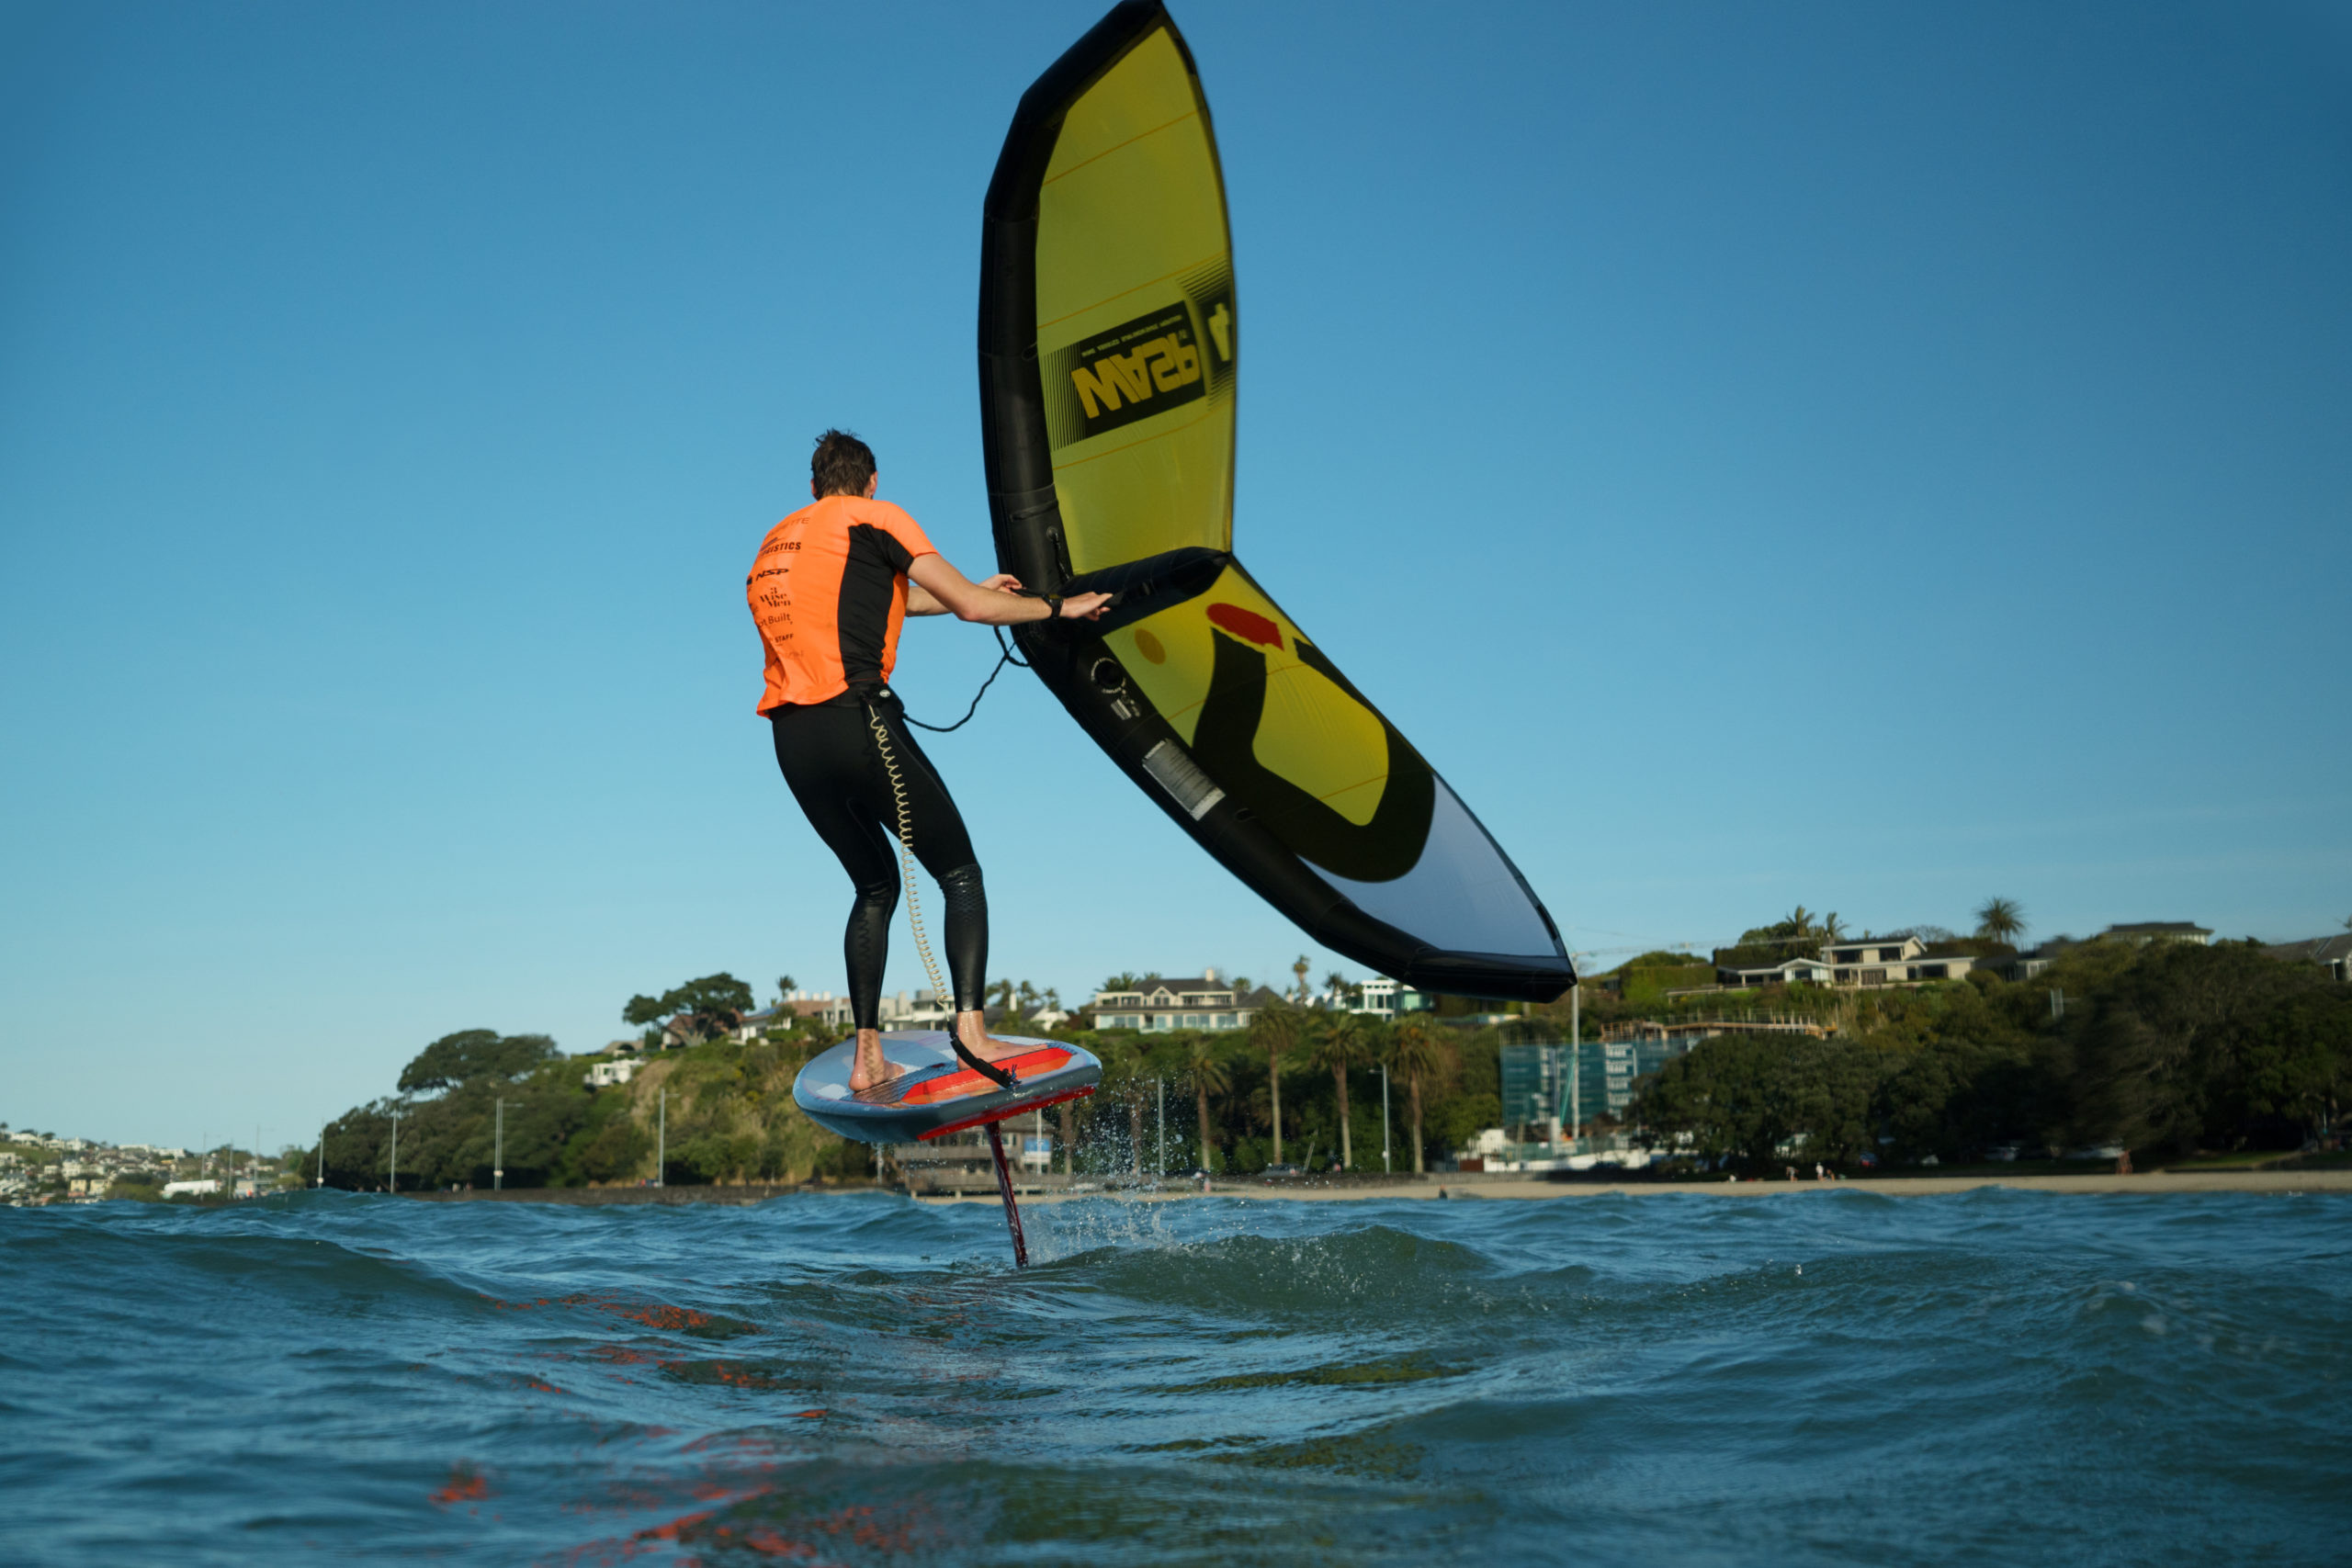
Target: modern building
<point>1205,1002</point>
<point>1550,1090</point>
<point>1384,999</point>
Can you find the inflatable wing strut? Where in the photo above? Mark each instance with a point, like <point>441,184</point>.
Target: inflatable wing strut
<point>1108,350</point>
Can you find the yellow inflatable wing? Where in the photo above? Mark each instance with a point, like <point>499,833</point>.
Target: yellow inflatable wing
<point>1110,342</point>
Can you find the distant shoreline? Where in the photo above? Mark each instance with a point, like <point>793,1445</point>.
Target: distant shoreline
<point>1464,1186</point>
<point>1475,1186</point>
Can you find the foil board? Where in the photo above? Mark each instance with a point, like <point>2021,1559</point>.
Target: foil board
<point>935,1093</point>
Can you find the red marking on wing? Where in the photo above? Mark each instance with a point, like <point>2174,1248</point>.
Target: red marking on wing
<point>1246,624</point>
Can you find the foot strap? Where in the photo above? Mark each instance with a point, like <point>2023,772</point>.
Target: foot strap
<point>989,1070</point>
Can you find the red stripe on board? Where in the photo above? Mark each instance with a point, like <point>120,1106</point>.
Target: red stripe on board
<point>1011,1110</point>
<point>954,1086</point>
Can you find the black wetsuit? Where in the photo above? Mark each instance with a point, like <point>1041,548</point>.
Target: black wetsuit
<point>831,759</point>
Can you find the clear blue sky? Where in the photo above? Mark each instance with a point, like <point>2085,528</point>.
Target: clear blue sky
<point>1876,456</point>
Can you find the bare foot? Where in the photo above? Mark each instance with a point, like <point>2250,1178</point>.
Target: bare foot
<point>972,1032</point>
<point>871,1067</point>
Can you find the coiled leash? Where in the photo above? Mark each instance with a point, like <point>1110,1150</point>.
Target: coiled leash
<point>874,698</point>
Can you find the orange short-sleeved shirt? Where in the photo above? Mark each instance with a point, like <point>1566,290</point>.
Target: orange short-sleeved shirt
<point>829,593</point>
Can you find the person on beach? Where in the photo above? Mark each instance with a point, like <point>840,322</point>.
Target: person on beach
<point>829,590</point>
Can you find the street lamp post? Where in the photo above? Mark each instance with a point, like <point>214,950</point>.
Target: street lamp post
<point>1384,1116</point>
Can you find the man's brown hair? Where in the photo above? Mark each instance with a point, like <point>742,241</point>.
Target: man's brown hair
<point>842,464</point>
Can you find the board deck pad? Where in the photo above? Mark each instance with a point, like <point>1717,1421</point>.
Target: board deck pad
<point>935,1093</point>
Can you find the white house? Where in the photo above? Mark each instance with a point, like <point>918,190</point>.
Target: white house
<point>1793,972</point>
<point>1871,961</point>
<point>914,1009</point>
<point>1866,961</point>
<point>825,1007</point>
<point>1384,999</point>
<point>612,1070</point>
<point>1202,1003</point>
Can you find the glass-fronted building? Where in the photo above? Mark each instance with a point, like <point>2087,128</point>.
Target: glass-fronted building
<point>1572,1084</point>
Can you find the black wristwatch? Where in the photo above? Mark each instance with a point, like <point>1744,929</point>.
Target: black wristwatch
<point>1053,606</point>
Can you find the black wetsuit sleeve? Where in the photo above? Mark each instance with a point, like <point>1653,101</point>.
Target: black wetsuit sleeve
<point>870,574</point>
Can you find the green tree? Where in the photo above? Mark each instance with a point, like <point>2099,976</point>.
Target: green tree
<point>1338,1046</point>
<point>2165,1044</point>
<point>1211,1075</point>
<point>713,1006</point>
<point>472,1053</point>
<point>2001,919</point>
<point>2292,1075</point>
<point>1299,969</point>
<point>1276,1031</point>
<point>1798,934</point>
<point>1416,1053</point>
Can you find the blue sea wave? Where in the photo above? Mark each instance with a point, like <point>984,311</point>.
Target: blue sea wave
<point>1815,1377</point>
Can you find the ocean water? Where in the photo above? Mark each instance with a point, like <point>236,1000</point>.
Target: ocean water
<point>1830,1377</point>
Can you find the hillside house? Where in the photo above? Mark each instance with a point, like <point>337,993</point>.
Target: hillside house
<point>1791,972</point>
<point>2142,932</point>
<point>1205,1002</point>
<point>1863,962</point>
<point>2333,954</point>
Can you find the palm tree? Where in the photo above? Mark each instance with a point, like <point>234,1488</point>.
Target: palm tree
<point>1335,984</point>
<point>1417,1055</point>
<point>2001,919</point>
<point>1210,1076</point>
<point>1338,1047</point>
<point>1300,969</point>
<point>1276,1033</point>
